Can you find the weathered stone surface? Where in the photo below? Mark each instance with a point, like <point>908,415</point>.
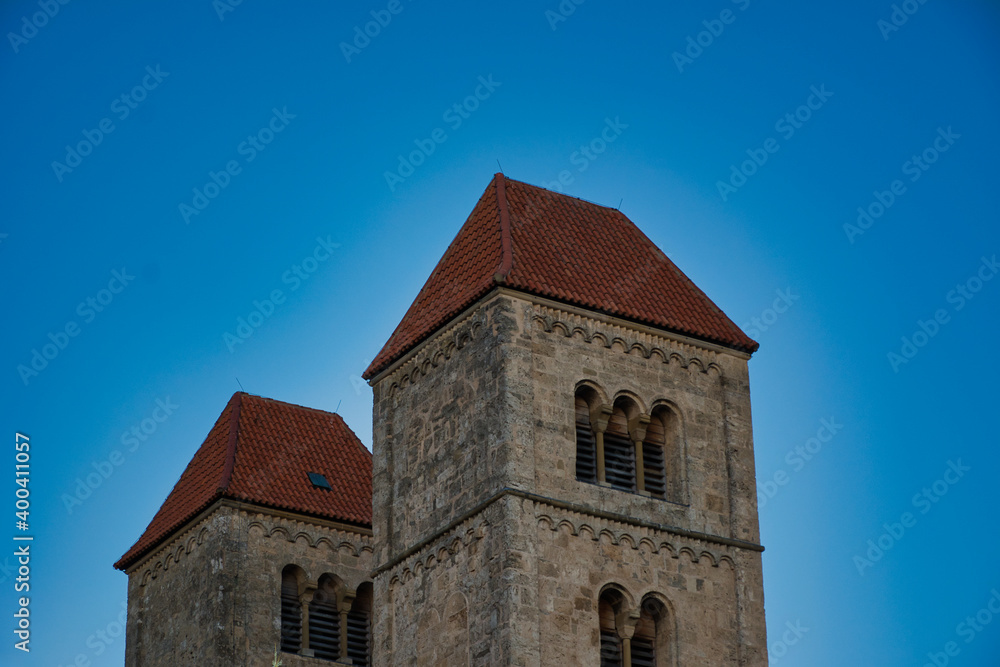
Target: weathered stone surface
<point>210,596</point>
<point>476,494</point>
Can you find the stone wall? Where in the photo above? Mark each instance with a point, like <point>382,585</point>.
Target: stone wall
<point>709,391</point>
<point>440,426</point>
<point>211,595</point>
<point>696,580</point>
<point>437,607</point>
<point>476,494</point>
<point>181,598</point>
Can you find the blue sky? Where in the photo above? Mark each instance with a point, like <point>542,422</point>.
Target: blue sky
<point>173,163</point>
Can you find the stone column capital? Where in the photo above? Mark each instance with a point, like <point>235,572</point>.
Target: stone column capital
<point>625,622</point>
<point>599,416</point>
<point>637,426</point>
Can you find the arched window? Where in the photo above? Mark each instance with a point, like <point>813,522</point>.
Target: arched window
<point>662,455</point>
<point>619,450</point>
<point>653,457</point>
<point>644,642</point>
<point>586,446</point>
<point>324,620</point>
<point>359,627</point>
<point>291,610</point>
<point>611,644</point>
<point>633,637</point>
<point>622,447</point>
<point>651,641</point>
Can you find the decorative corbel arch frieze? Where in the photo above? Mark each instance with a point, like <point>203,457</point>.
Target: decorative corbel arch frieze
<point>436,351</point>
<point>655,542</point>
<point>615,337</point>
<point>440,550</point>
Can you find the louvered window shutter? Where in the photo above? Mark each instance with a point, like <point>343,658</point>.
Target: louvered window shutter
<point>654,469</point>
<point>586,454</point>
<point>291,614</point>
<point>324,625</point>
<point>619,453</point>
<point>358,637</point>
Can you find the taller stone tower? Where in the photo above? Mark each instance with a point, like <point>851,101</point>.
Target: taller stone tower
<point>563,467</point>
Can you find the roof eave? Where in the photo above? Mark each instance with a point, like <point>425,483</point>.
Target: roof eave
<point>125,565</point>
<point>374,375</point>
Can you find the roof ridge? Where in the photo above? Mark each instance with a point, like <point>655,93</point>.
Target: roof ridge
<point>563,194</point>
<point>291,405</point>
<point>234,429</point>
<point>506,249</point>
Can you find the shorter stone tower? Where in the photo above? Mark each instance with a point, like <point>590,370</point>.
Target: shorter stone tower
<point>263,544</point>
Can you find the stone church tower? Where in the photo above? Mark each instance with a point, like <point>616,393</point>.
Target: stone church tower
<point>263,544</point>
<point>563,462</point>
<point>562,474</point>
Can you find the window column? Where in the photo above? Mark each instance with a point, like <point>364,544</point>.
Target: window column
<point>304,601</point>
<point>637,431</point>
<point>599,417</point>
<point>625,622</point>
<point>344,606</point>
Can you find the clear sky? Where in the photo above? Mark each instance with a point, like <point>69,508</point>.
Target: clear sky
<point>826,172</point>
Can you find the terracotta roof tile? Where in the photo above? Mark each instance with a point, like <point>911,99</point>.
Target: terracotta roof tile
<point>556,246</point>
<point>260,451</point>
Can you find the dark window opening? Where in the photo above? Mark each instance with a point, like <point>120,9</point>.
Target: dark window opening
<point>586,445</point>
<point>324,622</point>
<point>612,654</point>
<point>653,460</point>
<point>359,628</point>
<point>619,453</point>
<point>643,653</point>
<point>291,613</point>
<point>611,649</point>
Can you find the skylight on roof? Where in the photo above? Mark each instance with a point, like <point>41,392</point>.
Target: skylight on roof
<point>319,481</point>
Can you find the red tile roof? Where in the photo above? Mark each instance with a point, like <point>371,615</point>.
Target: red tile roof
<point>556,246</point>
<point>260,451</point>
